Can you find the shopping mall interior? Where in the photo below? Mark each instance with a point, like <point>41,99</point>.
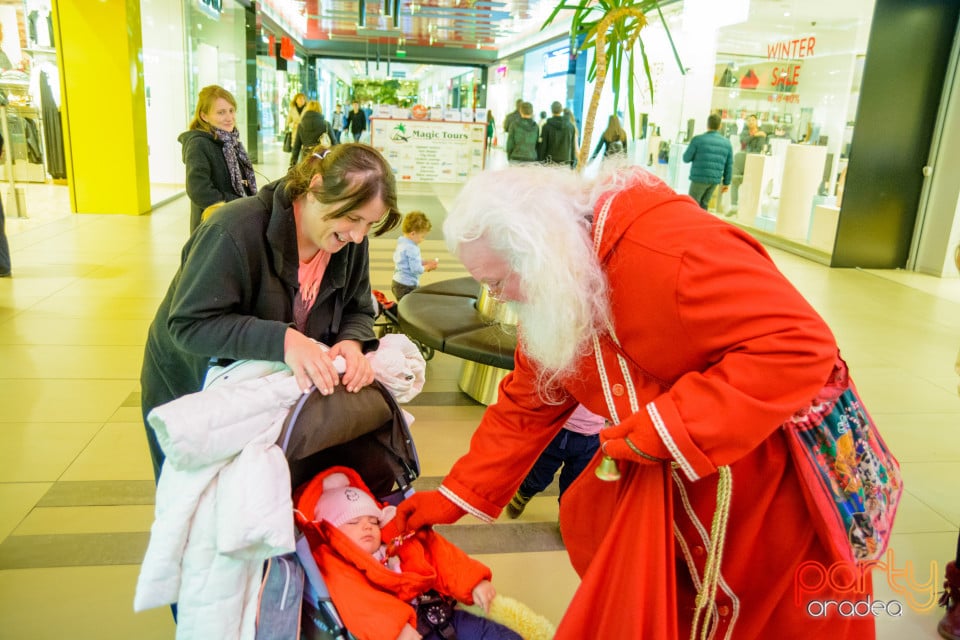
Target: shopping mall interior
<point>76,483</point>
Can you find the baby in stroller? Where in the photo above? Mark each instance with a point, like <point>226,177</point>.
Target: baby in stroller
<point>412,583</point>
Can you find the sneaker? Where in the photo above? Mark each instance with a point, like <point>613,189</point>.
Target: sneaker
<point>517,505</point>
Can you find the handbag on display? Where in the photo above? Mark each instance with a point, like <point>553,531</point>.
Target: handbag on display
<point>851,481</point>
<point>288,142</point>
<point>750,80</point>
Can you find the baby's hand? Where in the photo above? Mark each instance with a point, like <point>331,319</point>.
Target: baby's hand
<point>483,595</point>
<point>408,633</point>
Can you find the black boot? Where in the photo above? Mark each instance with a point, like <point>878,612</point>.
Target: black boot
<point>517,505</point>
<point>949,626</point>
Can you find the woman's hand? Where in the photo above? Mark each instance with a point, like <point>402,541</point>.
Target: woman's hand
<point>310,362</point>
<point>483,595</point>
<point>359,373</point>
<point>408,633</point>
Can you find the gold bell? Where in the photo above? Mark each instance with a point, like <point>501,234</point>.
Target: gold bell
<point>607,470</point>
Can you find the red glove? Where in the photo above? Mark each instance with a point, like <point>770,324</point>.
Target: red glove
<point>614,443</point>
<point>426,508</point>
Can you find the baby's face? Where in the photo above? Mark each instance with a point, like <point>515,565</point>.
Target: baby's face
<point>364,531</point>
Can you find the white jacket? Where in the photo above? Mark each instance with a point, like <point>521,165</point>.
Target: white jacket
<point>223,505</point>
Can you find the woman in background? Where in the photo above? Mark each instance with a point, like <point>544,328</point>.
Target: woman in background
<point>309,133</point>
<point>294,113</point>
<point>218,168</point>
<point>613,140</point>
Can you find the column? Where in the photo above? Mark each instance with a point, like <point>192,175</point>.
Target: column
<point>99,51</point>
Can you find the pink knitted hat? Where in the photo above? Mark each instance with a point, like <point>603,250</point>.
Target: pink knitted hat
<point>340,502</point>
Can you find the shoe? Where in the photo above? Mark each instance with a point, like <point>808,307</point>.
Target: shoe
<point>949,626</point>
<point>6,274</point>
<point>517,505</point>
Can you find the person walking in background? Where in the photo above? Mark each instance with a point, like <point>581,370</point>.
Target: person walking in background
<point>356,121</point>
<point>6,268</point>
<point>522,137</point>
<point>336,122</point>
<point>572,449</point>
<point>294,112</point>
<point>297,104</point>
<point>613,140</point>
<point>274,276</point>
<point>491,130</point>
<point>218,168</point>
<point>679,329</point>
<point>568,114</point>
<point>711,162</point>
<point>407,261</point>
<point>513,116</point>
<point>313,131</point>
<point>753,139</point>
<point>557,138</point>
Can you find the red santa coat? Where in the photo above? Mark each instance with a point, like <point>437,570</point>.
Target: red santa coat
<point>721,350</point>
<point>373,600</point>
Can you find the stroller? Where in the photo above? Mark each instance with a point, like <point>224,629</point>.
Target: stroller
<point>388,321</point>
<point>366,431</point>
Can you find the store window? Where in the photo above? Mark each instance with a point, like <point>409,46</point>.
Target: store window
<point>30,83</point>
<point>786,87</point>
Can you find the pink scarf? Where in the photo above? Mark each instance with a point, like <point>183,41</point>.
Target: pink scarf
<point>310,275</point>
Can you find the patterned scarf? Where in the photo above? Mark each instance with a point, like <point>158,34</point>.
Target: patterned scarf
<point>238,164</point>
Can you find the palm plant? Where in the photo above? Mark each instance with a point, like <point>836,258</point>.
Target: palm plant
<point>611,28</point>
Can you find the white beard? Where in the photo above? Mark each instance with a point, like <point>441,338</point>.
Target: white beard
<point>557,324</point>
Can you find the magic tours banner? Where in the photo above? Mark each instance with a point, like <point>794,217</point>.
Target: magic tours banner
<point>430,151</point>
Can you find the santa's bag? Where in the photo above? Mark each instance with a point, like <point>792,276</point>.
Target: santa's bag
<point>851,481</point>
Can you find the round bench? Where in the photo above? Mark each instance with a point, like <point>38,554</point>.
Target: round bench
<point>444,316</point>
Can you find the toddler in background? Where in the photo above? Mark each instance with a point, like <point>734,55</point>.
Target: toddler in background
<point>572,448</point>
<point>408,265</point>
<point>404,590</point>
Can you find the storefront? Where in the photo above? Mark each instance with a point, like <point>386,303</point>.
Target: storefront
<point>799,71</point>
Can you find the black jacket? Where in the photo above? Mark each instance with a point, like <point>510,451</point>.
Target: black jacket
<point>232,298</point>
<point>208,180</point>
<point>557,141</point>
<point>312,126</point>
<point>356,122</point>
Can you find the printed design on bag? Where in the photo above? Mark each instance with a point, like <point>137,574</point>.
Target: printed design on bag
<point>852,464</point>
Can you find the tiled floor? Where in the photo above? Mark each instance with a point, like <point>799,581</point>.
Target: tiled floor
<point>76,488</point>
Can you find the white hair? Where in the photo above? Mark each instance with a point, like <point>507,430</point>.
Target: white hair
<point>539,220</point>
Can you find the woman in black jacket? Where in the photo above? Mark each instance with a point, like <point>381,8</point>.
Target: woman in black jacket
<point>218,169</point>
<point>264,277</point>
<point>311,130</point>
<point>613,141</point>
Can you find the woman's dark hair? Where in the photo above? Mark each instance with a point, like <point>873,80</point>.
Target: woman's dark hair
<point>353,174</point>
<point>614,130</point>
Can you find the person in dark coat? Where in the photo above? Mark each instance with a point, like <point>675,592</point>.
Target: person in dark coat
<point>265,277</point>
<point>557,138</point>
<point>311,129</point>
<point>711,162</point>
<point>522,137</point>
<point>218,168</point>
<point>356,121</point>
<point>613,140</point>
<point>6,270</point>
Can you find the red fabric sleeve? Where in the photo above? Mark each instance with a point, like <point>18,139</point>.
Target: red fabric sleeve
<point>511,435</point>
<point>749,349</point>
